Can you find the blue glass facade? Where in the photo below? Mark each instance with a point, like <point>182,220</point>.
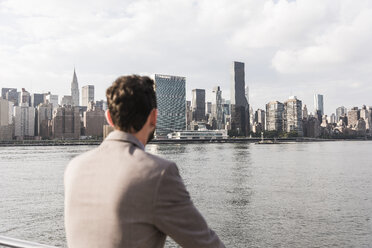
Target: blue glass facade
<point>171,100</point>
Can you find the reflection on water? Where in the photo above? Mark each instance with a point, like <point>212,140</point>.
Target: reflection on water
<point>287,195</point>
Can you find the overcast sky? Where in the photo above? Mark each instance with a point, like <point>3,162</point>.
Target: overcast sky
<point>289,47</point>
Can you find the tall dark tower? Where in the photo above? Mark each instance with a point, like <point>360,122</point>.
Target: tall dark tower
<point>239,102</point>
<point>198,104</point>
<point>75,90</point>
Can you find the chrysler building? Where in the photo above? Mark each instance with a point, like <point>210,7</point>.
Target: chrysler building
<point>75,90</point>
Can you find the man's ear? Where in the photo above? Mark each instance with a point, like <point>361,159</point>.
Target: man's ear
<point>108,118</point>
<point>153,117</point>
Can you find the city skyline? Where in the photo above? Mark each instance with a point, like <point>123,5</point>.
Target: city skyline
<point>208,92</point>
<point>61,100</point>
<point>297,48</point>
<point>19,113</point>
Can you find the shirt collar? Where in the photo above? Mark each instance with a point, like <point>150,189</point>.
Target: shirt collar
<point>125,137</point>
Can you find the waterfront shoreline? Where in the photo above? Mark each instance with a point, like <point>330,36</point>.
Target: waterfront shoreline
<point>159,141</point>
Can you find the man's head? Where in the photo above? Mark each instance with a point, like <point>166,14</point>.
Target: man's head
<point>132,105</point>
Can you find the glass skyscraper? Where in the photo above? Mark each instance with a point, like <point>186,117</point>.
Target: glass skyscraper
<point>171,100</point>
<point>318,105</point>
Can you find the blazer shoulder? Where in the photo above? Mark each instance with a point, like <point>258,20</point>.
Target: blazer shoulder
<point>77,162</point>
<point>157,161</point>
<point>84,156</point>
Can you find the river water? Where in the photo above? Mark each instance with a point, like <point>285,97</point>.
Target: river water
<point>282,195</point>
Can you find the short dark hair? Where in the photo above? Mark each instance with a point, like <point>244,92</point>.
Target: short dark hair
<point>130,100</point>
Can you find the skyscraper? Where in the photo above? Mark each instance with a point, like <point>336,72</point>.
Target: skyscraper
<point>11,112</point>
<point>6,130</point>
<point>208,107</point>
<point>66,123</point>
<point>87,95</point>
<point>53,99</point>
<point>24,98</point>
<point>340,111</point>
<point>24,119</point>
<point>353,116</point>
<point>292,118</point>
<point>101,105</point>
<point>10,94</point>
<point>44,117</point>
<point>188,114</point>
<point>4,91</point>
<point>36,99</point>
<point>365,115</point>
<point>226,108</point>
<point>251,118</point>
<point>198,104</point>
<point>171,100</point>
<point>4,112</point>
<point>318,105</point>
<point>94,120</point>
<point>239,103</point>
<point>75,90</point>
<point>305,113</point>
<point>217,110</point>
<point>66,100</point>
<point>259,117</point>
<point>274,116</point>
<point>332,118</point>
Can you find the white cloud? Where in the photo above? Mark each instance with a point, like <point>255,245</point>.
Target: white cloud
<point>299,47</point>
<point>346,45</point>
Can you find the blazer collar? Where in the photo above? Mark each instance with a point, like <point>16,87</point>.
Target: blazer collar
<point>125,137</point>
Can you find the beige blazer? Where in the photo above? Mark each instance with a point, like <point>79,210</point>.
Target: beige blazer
<point>118,195</point>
